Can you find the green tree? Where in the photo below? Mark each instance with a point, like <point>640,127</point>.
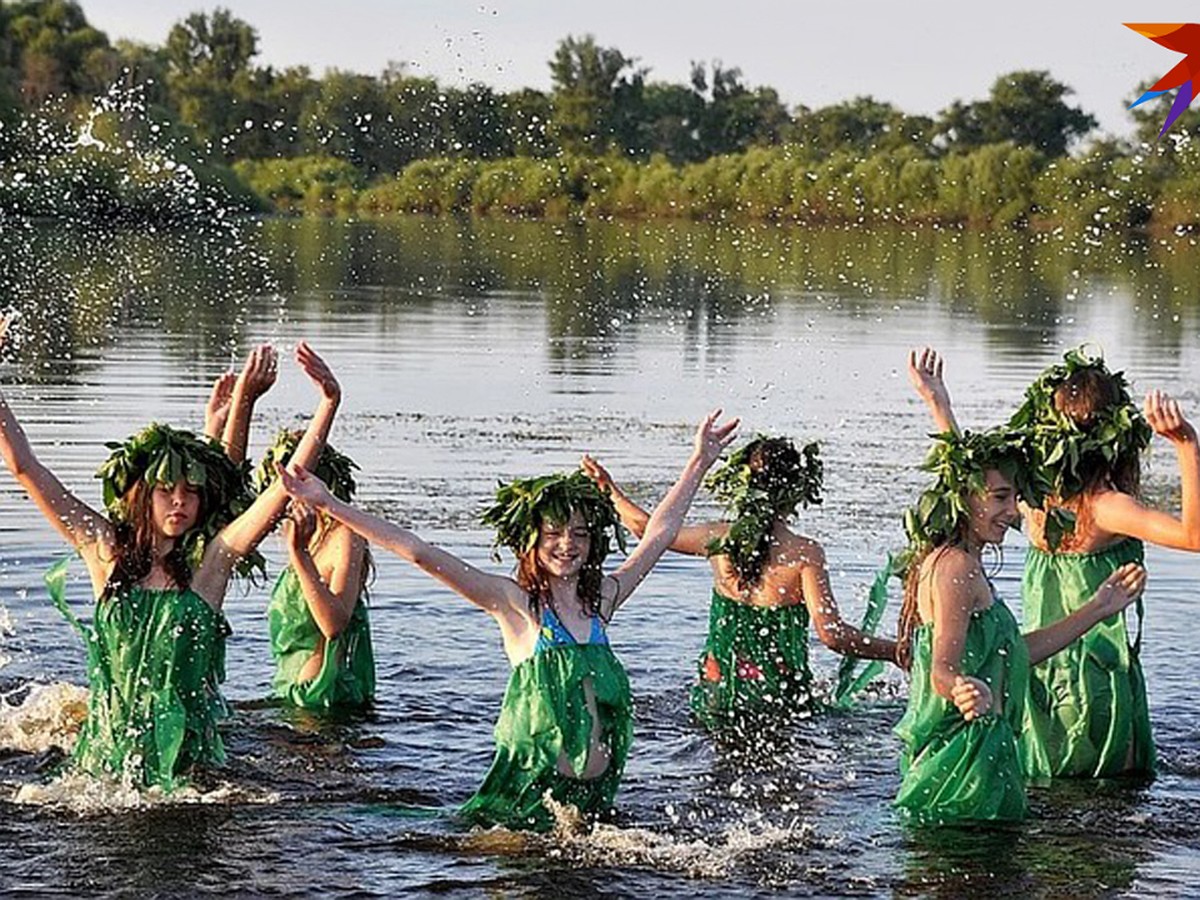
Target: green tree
<point>597,96</point>
<point>1027,107</point>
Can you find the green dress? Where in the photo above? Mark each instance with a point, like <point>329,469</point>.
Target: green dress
<point>954,771</point>
<point>347,674</point>
<point>155,659</point>
<point>1088,715</point>
<point>545,715</point>
<point>754,664</point>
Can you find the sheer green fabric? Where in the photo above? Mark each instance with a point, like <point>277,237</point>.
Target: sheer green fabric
<point>754,664</point>
<point>954,771</point>
<point>545,716</point>
<point>347,674</point>
<point>1088,715</point>
<point>155,659</point>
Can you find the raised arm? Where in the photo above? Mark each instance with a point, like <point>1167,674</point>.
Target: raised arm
<point>331,600</point>
<point>1120,513</point>
<point>493,593</point>
<point>667,518</point>
<point>216,410</point>
<point>1120,589</point>
<point>244,533</point>
<point>79,524</point>
<point>256,378</point>
<point>691,539</point>
<point>835,633</point>
<point>925,373</point>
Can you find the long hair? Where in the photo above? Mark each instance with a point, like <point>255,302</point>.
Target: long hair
<point>135,539</point>
<point>535,580</point>
<point>1082,397</point>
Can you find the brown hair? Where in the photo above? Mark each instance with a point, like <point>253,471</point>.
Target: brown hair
<point>134,541</point>
<point>1084,394</point>
<point>535,581</point>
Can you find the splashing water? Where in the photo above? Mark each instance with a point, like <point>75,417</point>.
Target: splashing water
<point>49,716</point>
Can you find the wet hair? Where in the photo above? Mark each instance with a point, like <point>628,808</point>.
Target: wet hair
<point>762,484</point>
<point>135,537</point>
<point>1083,397</point>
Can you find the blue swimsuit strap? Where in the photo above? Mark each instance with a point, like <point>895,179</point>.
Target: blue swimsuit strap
<point>560,636</point>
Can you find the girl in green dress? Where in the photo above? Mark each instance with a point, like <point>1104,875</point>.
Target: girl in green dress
<point>1088,714</point>
<point>969,663</point>
<point>566,720</point>
<point>160,563</point>
<point>320,632</point>
<point>768,582</point>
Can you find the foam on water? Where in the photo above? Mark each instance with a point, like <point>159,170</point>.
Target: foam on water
<point>83,795</point>
<point>49,716</point>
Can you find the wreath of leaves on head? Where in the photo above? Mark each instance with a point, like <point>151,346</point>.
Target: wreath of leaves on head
<point>335,469</point>
<point>160,454</point>
<point>754,508</point>
<point>1064,451</point>
<point>959,464</point>
<point>524,503</point>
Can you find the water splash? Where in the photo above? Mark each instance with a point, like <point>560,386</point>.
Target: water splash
<point>48,717</point>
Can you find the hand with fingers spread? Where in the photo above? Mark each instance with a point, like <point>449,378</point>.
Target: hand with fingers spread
<point>596,472</point>
<point>972,697</point>
<point>316,369</point>
<point>1167,419</point>
<point>712,438</point>
<point>925,372</point>
<point>1120,589</point>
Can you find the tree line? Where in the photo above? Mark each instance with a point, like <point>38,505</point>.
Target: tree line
<point>396,141</point>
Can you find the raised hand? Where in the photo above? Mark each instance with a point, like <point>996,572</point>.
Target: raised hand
<point>216,410</point>
<point>972,697</point>
<point>260,371</point>
<point>304,486</point>
<point>712,438</point>
<point>1120,589</point>
<point>596,472</point>
<point>6,323</point>
<point>1167,419</point>
<point>316,369</point>
<point>925,373</point>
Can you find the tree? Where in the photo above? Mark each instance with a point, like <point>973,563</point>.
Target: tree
<point>597,94</point>
<point>209,74</point>
<point>1027,108</point>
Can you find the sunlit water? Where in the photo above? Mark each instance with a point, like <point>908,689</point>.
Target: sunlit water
<point>472,352</point>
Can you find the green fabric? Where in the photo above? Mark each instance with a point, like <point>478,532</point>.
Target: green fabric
<point>347,675</point>
<point>1088,714</point>
<point>754,664</point>
<point>155,659</point>
<point>544,715</point>
<point>955,771</point>
<point>850,680</point>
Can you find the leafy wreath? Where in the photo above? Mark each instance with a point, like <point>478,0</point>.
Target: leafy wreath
<point>160,454</point>
<point>335,469</point>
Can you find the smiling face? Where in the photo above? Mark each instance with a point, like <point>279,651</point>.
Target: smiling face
<point>175,508</point>
<point>993,511</point>
<point>563,547</point>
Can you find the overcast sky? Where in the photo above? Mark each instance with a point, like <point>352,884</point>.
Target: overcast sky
<point>918,55</point>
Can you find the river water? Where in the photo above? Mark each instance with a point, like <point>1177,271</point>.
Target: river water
<point>476,351</point>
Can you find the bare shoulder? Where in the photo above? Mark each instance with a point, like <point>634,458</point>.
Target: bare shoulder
<point>952,569</point>
<point>801,550</point>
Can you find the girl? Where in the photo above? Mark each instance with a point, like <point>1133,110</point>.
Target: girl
<point>1088,714</point>
<point>320,633</point>
<point>767,582</point>
<point>566,722</point>
<point>159,565</point>
<point>969,663</point>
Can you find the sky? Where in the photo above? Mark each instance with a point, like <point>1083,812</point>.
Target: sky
<point>919,56</point>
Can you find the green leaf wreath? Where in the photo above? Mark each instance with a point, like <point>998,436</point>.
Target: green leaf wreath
<point>335,469</point>
<point>160,454</point>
